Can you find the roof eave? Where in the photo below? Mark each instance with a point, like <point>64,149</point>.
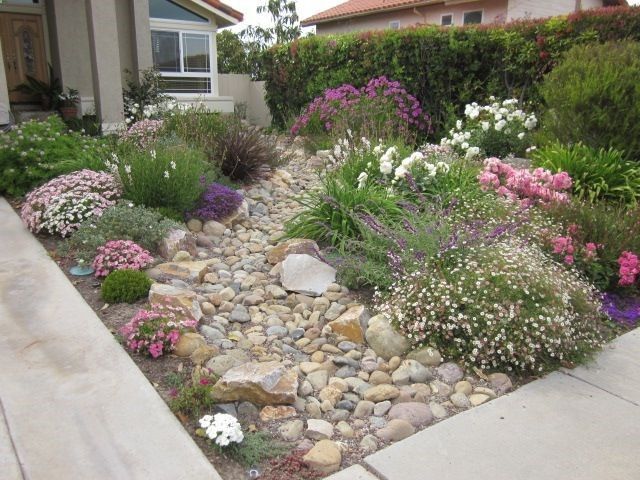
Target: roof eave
<point>309,22</point>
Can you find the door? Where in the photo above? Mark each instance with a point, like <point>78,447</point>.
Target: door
<point>23,51</point>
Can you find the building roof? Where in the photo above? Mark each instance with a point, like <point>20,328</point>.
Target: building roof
<point>223,7</point>
<point>356,8</point>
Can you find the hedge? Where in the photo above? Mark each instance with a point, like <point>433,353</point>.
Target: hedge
<point>445,68</point>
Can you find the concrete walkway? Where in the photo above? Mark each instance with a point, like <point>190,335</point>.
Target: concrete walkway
<point>581,424</point>
<point>73,405</point>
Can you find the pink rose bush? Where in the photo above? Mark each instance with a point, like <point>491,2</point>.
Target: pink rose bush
<point>156,331</point>
<point>629,269</point>
<point>62,204</point>
<point>120,255</point>
<point>520,184</point>
<point>143,133</point>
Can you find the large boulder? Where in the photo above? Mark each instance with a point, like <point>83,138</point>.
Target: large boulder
<point>351,323</point>
<point>189,271</point>
<point>296,245</point>
<point>259,383</point>
<point>162,294</point>
<point>176,240</point>
<point>384,340</point>
<point>305,274</point>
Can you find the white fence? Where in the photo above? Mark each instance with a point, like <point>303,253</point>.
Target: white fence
<point>246,94</point>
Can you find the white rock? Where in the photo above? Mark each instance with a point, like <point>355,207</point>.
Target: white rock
<point>305,274</point>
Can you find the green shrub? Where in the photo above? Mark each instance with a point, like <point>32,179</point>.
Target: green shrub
<point>596,174</point>
<point>125,221</point>
<point>196,125</point>
<point>169,176</point>
<point>125,286</point>
<point>593,97</point>
<point>36,152</point>
<point>243,153</point>
<point>446,68</point>
<point>498,306</point>
<point>193,399</point>
<point>255,449</point>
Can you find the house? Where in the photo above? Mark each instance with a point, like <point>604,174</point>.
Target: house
<point>360,15</point>
<point>90,44</point>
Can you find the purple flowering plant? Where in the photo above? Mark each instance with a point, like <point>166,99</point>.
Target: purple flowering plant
<point>217,202</point>
<point>381,109</point>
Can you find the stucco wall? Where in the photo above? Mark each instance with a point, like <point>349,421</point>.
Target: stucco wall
<point>545,8</point>
<point>69,44</point>
<point>493,10</point>
<point>125,37</point>
<point>243,90</point>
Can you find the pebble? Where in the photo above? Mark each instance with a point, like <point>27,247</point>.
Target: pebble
<point>460,400</point>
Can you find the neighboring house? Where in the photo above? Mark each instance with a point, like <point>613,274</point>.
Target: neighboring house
<point>90,43</point>
<point>360,15</point>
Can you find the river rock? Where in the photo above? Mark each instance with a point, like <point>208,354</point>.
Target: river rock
<point>318,429</point>
<point>395,430</point>
<point>213,229</point>
<point>417,414</point>
<point>291,431</point>
<point>450,373</point>
<point>325,457</point>
<point>380,393</point>
<point>223,363</point>
<point>384,340</point>
<point>427,356</point>
<point>188,343</point>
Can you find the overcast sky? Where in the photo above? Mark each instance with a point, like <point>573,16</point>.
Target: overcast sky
<point>305,9</point>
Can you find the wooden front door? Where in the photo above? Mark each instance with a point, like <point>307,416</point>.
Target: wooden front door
<point>23,52</point>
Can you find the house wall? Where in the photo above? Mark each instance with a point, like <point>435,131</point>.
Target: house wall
<point>4,92</point>
<point>493,10</point>
<point>252,94</point>
<point>545,8</point>
<point>125,37</point>
<point>69,35</point>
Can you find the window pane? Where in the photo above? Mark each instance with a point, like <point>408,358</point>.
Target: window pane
<point>473,17</point>
<point>172,11</point>
<point>186,84</point>
<point>196,52</point>
<point>166,50</point>
<point>447,20</point>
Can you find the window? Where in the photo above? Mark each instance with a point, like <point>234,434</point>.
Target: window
<point>472,17</point>
<point>168,10</point>
<point>183,58</point>
<point>446,20</point>
<point>394,25</point>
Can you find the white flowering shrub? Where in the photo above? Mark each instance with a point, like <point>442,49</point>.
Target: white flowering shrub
<point>498,130</point>
<point>497,306</point>
<point>61,205</point>
<point>222,428</point>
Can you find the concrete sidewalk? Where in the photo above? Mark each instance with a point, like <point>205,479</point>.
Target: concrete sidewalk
<point>581,424</point>
<point>73,405</point>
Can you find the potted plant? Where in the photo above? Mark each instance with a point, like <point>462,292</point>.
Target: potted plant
<point>69,103</point>
<point>48,92</point>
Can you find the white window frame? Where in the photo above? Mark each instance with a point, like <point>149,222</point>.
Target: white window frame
<point>447,15</point>
<point>394,24</point>
<point>212,58</point>
<point>481,10</point>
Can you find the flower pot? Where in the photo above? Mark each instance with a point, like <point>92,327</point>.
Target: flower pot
<point>69,112</point>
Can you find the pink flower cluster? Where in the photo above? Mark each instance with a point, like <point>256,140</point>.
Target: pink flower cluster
<point>520,184</point>
<point>629,269</point>
<point>156,331</point>
<point>120,255</point>
<point>143,133</point>
<point>62,204</point>
<point>567,247</point>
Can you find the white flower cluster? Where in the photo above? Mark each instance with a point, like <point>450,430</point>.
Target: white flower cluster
<point>222,428</point>
<point>348,146</point>
<point>151,111</point>
<point>390,163</point>
<point>505,117</point>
